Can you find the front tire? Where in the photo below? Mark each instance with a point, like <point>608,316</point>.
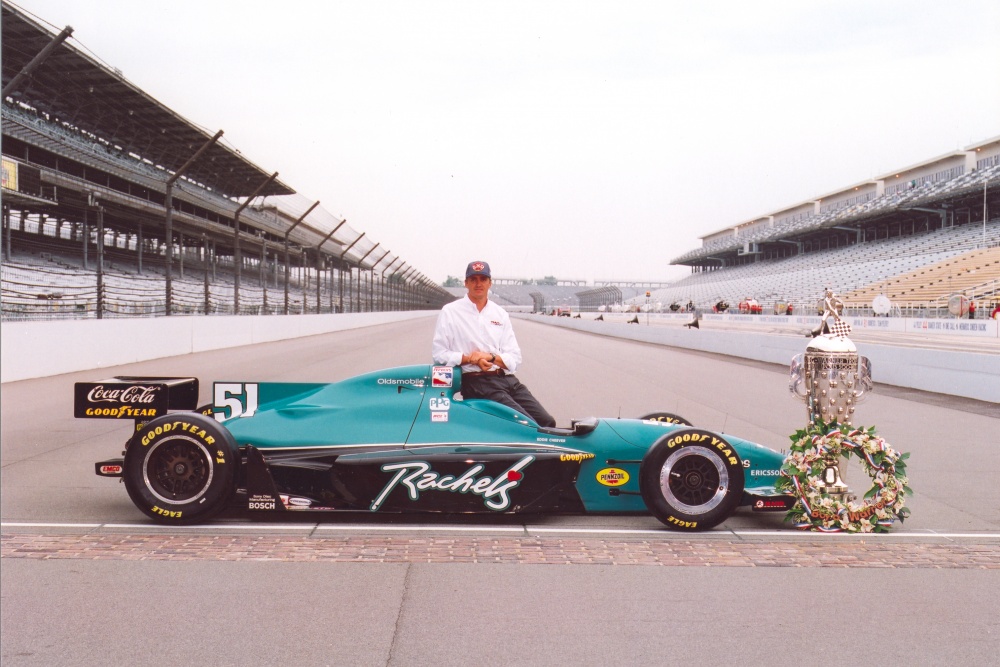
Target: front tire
<point>666,418</point>
<point>181,468</point>
<point>691,479</point>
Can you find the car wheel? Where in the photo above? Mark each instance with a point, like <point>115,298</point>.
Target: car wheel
<point>666,417</point>
<point>181,468</point>
<point>691,479</point>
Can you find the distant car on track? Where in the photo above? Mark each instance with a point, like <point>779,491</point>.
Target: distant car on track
<point>404,440</point>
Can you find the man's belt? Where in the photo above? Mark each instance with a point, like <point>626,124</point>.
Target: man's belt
<point>501,372</point>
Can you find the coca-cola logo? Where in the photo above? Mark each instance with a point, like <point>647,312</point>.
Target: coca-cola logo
<point>133,394</point>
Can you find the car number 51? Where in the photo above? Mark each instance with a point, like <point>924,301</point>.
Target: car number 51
<point>234,399</point>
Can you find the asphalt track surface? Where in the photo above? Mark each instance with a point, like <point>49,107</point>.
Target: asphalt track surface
<point>86,579</point>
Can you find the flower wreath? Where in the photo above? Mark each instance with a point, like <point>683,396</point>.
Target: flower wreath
<point>804,466</point>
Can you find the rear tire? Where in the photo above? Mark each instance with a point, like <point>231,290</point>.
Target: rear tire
<point>181,468</point>
<point>691,479</point>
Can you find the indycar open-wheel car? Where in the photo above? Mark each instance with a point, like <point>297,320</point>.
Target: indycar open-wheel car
<point>404,440</point>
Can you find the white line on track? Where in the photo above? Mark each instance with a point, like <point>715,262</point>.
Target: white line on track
<point>436,529</point>
<point>751,533</point>
<point>527,530</point>
<point>51,525</point>
<point>160,528</point>
<point>211,527</point>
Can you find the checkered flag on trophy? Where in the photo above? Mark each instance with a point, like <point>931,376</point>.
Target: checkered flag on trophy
<point>840,328</point>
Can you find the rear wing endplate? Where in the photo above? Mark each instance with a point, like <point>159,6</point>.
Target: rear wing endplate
<point>138,398</point>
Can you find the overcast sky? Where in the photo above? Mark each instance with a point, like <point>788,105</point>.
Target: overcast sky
<point>589,140</point>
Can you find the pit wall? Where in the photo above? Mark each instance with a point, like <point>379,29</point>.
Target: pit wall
<point>40,349</point>
<point>979,328</point>
<point>957,373</point>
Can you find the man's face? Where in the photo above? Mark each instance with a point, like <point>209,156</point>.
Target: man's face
<point>478,286</point>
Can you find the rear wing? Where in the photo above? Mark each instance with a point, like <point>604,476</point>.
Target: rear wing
<point>138,398</point>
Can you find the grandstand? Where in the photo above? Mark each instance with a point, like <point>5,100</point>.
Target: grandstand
<point>876,237</point>
<point>919,235</point>
<point>115,205</point>
<point>530,296</point>
<point>962,274</point>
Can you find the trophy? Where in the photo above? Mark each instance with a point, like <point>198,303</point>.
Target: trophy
<point>832,379</point>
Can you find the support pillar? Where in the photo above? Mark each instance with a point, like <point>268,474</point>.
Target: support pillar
<point>86,237</point>
<point>208,289</point>
<point>168,234</point>
<point>100,262</point>
<point>288,270</point>
<point>263,274</point>
<point>237,263</point>
<point>6,232</point>
<point>319,283</point>
<point>304,281</point>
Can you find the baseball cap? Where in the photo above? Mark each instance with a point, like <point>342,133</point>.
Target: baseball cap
<point>477,269</point>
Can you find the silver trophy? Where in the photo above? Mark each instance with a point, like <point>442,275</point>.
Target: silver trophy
<point>831,378</point>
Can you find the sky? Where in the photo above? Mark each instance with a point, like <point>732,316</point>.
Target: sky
<point>581,140</point>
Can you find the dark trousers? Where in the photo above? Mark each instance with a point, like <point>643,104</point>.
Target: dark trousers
<point>508,390</point>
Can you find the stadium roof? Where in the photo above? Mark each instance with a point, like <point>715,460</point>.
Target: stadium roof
<point>75,88</point>
<point>961,152</point>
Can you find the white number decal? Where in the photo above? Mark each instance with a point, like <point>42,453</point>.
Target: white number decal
<point>239,400</point>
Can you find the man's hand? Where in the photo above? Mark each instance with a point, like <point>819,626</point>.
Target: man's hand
<point>481,359</point>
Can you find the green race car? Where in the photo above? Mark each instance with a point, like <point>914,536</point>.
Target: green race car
<point>404,440</point>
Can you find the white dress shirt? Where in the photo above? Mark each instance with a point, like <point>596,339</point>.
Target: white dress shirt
<point>462,329</point>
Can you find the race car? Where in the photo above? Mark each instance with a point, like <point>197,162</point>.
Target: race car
<point>405,440</point>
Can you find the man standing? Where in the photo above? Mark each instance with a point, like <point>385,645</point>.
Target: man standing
<point>475,333</point>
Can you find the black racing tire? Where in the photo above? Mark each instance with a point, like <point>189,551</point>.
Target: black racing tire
<point>667,417</point>
<point>181,468</point>
<point>208,410</point>
<point>691,479</point>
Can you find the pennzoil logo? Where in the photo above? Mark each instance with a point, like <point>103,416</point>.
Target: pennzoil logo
<point>612,477</point>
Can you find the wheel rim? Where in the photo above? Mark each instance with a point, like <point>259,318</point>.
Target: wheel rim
<point>178,470</point>
<point>694,480</point>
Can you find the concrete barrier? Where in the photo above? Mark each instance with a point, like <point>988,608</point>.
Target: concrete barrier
<point>980,328</point>
<point>957,373</point>
<point>40,349</point>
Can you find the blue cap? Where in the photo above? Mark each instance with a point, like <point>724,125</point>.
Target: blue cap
<point>477,269</point>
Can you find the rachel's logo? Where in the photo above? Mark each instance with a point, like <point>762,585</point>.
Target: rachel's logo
<point>417,476</point>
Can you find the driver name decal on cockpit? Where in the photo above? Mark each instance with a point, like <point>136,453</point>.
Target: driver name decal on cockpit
<point>417,476</point>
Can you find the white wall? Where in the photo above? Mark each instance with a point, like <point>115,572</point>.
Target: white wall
<point>966,374</point>
<point>39,349</point>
